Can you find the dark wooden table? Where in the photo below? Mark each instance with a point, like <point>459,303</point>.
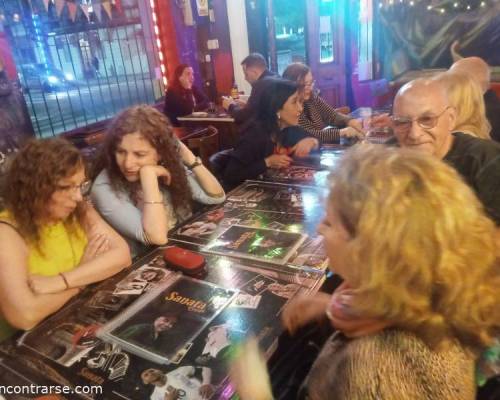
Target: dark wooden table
<point>63,349</point>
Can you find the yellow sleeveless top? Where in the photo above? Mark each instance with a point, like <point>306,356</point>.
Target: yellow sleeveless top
<point>60,249</point>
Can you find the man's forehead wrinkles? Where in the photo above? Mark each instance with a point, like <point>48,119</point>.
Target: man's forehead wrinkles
<point>416,104</point>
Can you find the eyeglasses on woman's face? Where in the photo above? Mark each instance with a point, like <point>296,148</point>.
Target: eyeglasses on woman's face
<point>309,84</point>
<point>68,193</point>
<point>426,121</point>
<point>83,187</point>
<point>306,86</point>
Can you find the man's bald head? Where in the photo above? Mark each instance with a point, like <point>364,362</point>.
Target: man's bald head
<point>475,67</point>
<point>422,117</point>
<point>423,86</point>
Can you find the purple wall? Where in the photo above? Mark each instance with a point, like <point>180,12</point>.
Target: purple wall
<point>186,39</point>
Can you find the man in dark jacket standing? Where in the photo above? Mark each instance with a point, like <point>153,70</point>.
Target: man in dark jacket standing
<point>256,74</point>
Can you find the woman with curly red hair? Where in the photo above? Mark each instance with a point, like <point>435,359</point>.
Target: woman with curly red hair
<point>146,178</point>
<point>51,241</point>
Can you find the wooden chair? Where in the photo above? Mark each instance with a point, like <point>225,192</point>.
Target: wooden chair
<point>88,139</point>
<point>179,131</point>
<point>204,144</point>
<point>95,138</point>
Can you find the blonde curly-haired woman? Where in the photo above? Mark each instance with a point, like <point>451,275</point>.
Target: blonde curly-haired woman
<point>419,301</point>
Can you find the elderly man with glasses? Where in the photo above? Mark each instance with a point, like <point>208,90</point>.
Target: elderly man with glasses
<point>423,120</point>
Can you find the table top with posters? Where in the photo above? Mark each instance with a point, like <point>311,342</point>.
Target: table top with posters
<point>150,328</point>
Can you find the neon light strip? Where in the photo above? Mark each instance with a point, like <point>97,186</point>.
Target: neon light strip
<point>156,29</point>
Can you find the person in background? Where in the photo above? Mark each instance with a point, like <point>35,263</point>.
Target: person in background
<point>423,119</point>
<point>479,70</point>
<point>256,74</point>
<point>318,118</point>
<point>95,64</point>
<point>466,98</point>
<point>145,179</point>
<point>182,97</point>
<point>419,300</point>
<point>271,137</point>
<point>15,123</point>
<point>52,242</point>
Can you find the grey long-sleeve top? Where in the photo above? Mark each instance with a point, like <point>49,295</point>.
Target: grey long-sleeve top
<point>118,209</point>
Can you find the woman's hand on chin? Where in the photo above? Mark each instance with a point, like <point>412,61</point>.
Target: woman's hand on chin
<point>305,146</point>
<point>148,172</point>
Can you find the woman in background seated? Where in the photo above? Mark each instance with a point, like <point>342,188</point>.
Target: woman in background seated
<point>271,137</point>
<point>52,242</point>
<point>419,299</point>
<point>182,98</point>
<point>146,179</point>
<point>318,118</point>
<point>466,97</point>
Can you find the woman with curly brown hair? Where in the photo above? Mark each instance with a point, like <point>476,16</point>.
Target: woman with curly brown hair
<point>51,241</point>
<point>146,178</point>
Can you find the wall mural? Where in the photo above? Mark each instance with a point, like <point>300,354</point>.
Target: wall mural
<point>421,34</point>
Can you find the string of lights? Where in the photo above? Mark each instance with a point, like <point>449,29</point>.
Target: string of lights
<point>156,29</point>
<point>439,6</point>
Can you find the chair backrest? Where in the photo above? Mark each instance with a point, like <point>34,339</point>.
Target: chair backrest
<point>179,132</point>
<point>204,144</point>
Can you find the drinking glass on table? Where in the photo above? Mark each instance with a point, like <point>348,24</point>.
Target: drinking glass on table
<point>212,108</point>
<point>365,114</point>
<point>378,127</point>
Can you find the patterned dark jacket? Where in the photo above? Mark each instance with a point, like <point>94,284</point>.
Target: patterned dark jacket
<point>392,364</point>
